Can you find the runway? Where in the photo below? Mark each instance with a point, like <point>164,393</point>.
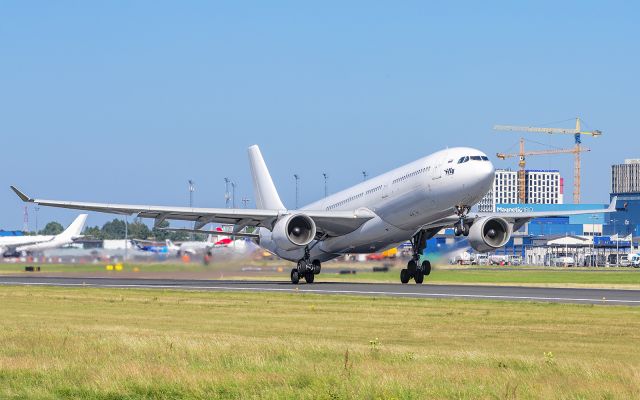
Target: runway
<point>470,292</point>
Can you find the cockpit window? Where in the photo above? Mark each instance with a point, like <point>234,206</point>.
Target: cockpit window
<point>473,158</point>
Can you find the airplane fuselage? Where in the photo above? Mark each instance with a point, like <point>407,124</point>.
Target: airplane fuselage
<point>404,200</point>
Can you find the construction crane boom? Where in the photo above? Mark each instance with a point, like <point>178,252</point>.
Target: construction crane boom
<point>576,132</point>
<point>504,156</point>
<point>517,128</point>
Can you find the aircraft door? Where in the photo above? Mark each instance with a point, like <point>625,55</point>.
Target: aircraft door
<point>437,170</point>
<point>385,191</point>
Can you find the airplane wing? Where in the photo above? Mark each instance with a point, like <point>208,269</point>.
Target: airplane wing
<point>212,232</point>
<point>518,218</point>
<point>329,223</point>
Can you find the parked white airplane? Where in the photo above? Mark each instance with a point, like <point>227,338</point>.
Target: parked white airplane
<point>30,244</point>
<point>412,202</point>
<point>217,239</point>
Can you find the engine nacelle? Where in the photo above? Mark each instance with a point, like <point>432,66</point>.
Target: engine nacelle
<point>489,233</point>
<point>293,231</point>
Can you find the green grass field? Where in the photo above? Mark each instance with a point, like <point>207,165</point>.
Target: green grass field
<point>126,344</point>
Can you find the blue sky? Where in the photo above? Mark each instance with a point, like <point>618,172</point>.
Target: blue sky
<point>124,101</point>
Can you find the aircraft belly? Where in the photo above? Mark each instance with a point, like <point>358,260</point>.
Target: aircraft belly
<point>374,235</point>
<point>412,210</point>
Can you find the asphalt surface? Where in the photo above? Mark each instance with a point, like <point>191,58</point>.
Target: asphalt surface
<point>469,292</point>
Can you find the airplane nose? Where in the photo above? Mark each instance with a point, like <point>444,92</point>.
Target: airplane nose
<point>485,173</point>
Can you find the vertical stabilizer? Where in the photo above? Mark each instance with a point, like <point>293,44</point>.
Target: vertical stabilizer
<point>263,187</point>
<point>74,230</point>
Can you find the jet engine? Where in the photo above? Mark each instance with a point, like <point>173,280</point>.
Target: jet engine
<point>489,233</point>
<point>293,231</point>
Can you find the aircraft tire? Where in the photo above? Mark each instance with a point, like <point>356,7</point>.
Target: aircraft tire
<point>419,276</point>
<point>316,267</point>
<point>426,267</point>
<point>309,277</point>
<point>295,276</point>
<point>412,266</point>
<point>404,276</point>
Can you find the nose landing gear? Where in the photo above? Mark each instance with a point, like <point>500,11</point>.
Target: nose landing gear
<point>461,229</point>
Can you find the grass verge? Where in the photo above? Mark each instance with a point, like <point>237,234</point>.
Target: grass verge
<point>108,344</point>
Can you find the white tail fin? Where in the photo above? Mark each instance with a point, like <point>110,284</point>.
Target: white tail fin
<point>74,230</point>
<point>265,191</point>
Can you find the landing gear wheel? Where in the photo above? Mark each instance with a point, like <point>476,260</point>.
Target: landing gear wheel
<point>457,230</point>
<point>411,267</point>
<point>404,276</point>
<point>465,230</point>
<point>426,267</point>
<point>309,276</point>
<point>419,276</point>
<point>295,277</point>
<point>316,267</point>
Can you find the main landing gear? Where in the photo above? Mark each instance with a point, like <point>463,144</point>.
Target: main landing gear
<point>306,269</point>
<point>417,270</point>
<point>461,229</point>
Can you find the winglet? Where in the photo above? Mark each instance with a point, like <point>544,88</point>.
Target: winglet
<point>612,205</point>
<point>20,194</point>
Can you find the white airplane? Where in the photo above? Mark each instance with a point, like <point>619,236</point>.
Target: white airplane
<point>193,247</point>
<point>412,202</point>
<point>217,239</point>
<point>31,244</point>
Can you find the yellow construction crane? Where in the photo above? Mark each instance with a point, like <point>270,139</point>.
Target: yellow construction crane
<point>576,150</point>
<point>522,155</point>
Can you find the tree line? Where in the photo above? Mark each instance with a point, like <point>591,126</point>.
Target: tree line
<point>115,229</point>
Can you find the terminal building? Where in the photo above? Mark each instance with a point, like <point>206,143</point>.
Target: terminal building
<point>590,238</point>
<point>542,187</point>
<point>625,184</point>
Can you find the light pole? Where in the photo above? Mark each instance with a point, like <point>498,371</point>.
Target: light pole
<point>126,236</point>
<point>233,194</point>
<point>326,190</point>
<point>615,232</point>
<point>36,209</point>
<point>227,196</point>
<point>192,188</point>
<point>297,178</point>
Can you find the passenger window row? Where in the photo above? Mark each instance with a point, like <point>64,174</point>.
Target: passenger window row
<point>357,196</point>
<point>407,176</point>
